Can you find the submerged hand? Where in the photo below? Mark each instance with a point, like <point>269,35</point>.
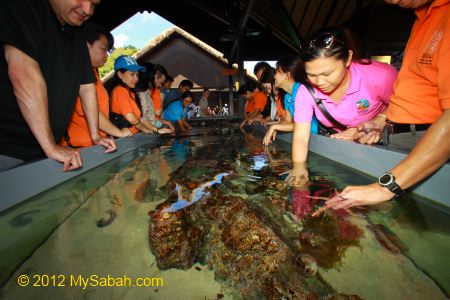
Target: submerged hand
<point>164,130</point>
<point>270,136</point>
<point>250,121</point>
<point>298,176</point>
<point>360,195</point>
<point>171,126</point>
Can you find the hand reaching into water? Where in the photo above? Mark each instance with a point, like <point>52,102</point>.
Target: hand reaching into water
<point>360,195</point>
<point>242,125</point>
<point>164,130</point>
<point>298,176</point>
<point>354,196</point>
<point>270,136</point>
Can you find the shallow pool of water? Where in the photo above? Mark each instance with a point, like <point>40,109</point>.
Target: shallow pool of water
<point>207,217</point>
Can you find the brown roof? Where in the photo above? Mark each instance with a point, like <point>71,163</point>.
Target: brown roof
<point>165,35</point>
<point>147,53</point>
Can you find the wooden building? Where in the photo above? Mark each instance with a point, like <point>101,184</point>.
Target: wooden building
<point>186,57</point>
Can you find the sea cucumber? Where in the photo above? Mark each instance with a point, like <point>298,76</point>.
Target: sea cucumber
<point>387,238</point>
<point>23,218</point>
<point>105,222</point>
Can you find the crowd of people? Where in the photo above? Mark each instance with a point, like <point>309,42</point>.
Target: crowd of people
<point>53,101</point>
<point>330,89</point>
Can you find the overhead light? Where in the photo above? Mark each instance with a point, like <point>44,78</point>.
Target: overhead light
<point>252,32</point>
<point>227,37</point>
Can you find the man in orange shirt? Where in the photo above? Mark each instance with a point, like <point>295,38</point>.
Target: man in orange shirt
<point>419,108</point>
<point>99,42</point>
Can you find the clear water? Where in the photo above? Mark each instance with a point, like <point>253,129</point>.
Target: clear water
<point>398,250</point>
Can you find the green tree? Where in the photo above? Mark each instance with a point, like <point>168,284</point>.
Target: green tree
<point>109,65</point>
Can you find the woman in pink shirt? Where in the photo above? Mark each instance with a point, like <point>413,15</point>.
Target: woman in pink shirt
<point>351,90</point>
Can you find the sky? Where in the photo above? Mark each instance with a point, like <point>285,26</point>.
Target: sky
<point>139,29</point>
<point>142,27</point>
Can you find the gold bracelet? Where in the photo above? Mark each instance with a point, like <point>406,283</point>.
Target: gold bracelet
<point>139,122</point>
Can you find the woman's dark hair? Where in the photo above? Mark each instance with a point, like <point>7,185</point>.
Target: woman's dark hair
<point>94,31</point>
<point>187,94</point>
<point>249,86</point>
<point>186,82</point>
<point>260,65</point>
<point>147,79</point>
<point>332,41</point>
<point>268,76</point>
<point>293,64</point>
<point>116,79</point>
<point>144,77</point>
<point>157,69</point>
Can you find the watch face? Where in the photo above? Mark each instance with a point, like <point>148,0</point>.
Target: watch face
<point>386,179</point>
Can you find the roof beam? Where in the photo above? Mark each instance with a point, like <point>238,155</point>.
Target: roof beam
<point>311,24</point>
<point>241,26</point>
<point>303,15</point>
<point>341,13</point>
<point>209,11</point>
<point>331,12</point>
<point>294,4</point>
<point>287,23</point>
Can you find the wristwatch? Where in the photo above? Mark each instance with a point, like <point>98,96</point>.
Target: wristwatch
<point>387,180</point>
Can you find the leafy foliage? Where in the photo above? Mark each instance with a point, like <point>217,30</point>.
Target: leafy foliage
<point>109,65</point>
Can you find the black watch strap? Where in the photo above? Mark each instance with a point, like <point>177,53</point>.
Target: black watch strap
<point>396,189</point>
<point>387,180</point>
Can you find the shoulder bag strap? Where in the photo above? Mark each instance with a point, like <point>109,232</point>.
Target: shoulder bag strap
<point>322,108</point>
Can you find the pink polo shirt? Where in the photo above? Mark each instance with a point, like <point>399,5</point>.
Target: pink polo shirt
<point>370,89</point>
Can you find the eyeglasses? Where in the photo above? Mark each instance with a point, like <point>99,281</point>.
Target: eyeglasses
<point>324,41</point>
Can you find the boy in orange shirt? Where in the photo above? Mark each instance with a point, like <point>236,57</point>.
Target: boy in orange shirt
<point>99,42</point>
<point>255,101</point>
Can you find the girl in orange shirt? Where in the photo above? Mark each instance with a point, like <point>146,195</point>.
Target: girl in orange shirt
<point>149,94</point>
<point>123,98</point>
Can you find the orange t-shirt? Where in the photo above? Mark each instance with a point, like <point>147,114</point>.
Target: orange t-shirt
<point>157,101</point>
<point>280,110</point>
<point>260,100</point>
<point>422,88</point>
<point>78,128</point>
<point>249,107</point>
<point>123,101</point>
